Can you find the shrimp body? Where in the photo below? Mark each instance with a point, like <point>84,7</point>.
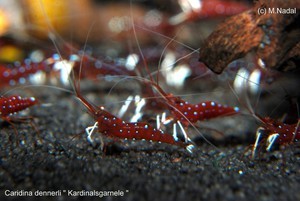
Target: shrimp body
<point>12,104</point>
<point>19,74</point>
<point>113,126</point>
<point>273,131</point>
<point>94,68</point>
<point>287,133</point>
<point>191,113</point>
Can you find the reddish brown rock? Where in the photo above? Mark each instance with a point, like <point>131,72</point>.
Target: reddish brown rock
<point>273,37</point>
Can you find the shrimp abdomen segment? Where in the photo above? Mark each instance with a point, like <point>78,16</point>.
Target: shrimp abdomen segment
<point>13,104</point>
<point>211,109</point>
<point>187,112</point>
<point>113,126</point>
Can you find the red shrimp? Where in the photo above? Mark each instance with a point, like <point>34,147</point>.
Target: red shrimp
<point>273,131</point>
<point>112,126</point>
<point>93,68</point>
<point>186,112</point>
<point>13,104</point>
<point>17,74</point>
<point>182,112</point>
<point>191,113</point>
<point>207,9</point>
<point>20,73</point>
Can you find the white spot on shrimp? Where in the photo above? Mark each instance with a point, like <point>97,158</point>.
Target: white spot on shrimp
<point>12,82</point>
<point>74,57</point>
<point>21,69</point>
<point>131,61</point>
<point>236,109</point>
<point>6,74</point>
<point>56,57</point>
<point>22,80</point>
<point>98,64</point>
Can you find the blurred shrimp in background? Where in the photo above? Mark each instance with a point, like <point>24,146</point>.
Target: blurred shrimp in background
<point>108,20</point>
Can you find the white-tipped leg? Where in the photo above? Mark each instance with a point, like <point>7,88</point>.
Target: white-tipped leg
<point>258,137</point>
<point>139,105</point>
<point>158,121</point>
<point>271,139</point>
<point>131,61</point>
<point>89,131</point>
<point>175,132</point>
<point>240,80</point>
<point>177,19</point>
<point>65,68</point>
<point>125,106</point>
<point>186,138</point>
<point>188,7</point>
<point>164,119</point>
<point>37,78</point>
<point>190,148</point>
<point>254,81</point>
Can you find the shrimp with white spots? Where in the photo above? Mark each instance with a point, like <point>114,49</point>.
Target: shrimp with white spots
<point>112,126</point>
<point>13,104</point>
<point>273,131</point>
<point>184,113</point>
